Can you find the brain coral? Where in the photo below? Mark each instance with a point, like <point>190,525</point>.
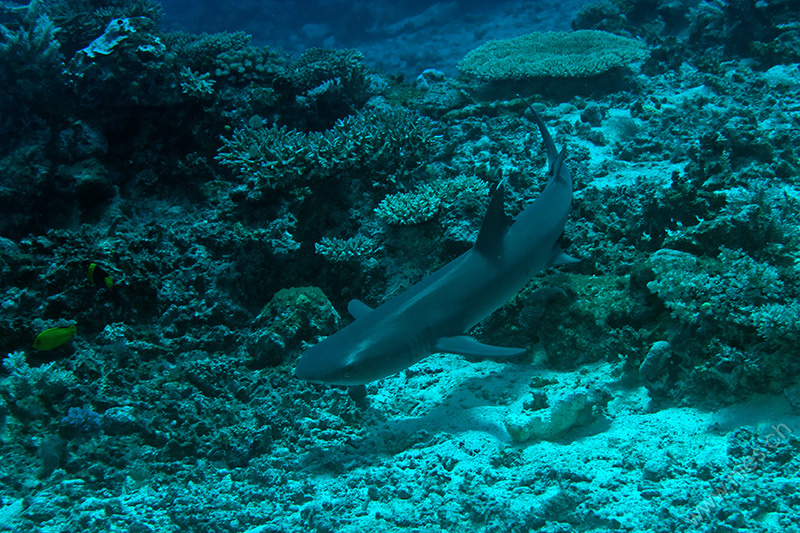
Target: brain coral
<point>558,54</point>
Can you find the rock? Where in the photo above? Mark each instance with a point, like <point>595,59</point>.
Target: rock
<point>653,368</point>
<point>571,411</point>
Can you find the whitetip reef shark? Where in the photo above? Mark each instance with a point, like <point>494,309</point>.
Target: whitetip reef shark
<point>434,314</point>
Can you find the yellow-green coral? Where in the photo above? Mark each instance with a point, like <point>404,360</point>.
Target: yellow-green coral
<point>559,54</point>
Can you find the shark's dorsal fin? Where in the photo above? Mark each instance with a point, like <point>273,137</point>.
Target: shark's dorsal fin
<point>358,309</point>
<point>466,345</point>
<point>494,227</point>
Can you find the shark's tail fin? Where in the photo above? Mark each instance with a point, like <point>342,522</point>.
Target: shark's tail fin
<point>550,146</point>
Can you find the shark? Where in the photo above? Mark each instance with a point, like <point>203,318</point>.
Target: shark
<point>435,314</point>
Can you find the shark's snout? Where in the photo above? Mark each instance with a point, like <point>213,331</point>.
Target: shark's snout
<point>305,369</point>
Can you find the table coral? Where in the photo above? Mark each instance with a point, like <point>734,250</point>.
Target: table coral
<point>558,54</point>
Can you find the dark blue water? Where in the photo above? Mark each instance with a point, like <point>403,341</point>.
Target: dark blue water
<point>396,37</point>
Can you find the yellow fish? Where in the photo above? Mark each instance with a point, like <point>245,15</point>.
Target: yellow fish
<point>98,276</point>
<point>54,337</point>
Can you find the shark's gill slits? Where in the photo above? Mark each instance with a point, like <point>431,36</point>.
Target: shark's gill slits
<point>419,347</point>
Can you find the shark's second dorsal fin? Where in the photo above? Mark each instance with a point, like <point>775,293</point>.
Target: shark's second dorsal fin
<point>558,164</point>
<point>357,309</point>
<point>494,227</point>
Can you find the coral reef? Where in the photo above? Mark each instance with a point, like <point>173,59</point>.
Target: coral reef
<point>239,196</point>
<point>571,54</point>
<point>292,316</point>
<point>378,142</point>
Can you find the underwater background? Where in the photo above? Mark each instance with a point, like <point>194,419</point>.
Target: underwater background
<point>191,193</point>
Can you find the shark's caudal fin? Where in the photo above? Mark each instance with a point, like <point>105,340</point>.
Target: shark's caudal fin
<point>552,152</point>
<point>550,146</point>
<point>466,345</point>
<point>490,237</point>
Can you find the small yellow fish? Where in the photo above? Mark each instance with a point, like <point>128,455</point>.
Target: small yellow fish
<point>54,337</point>
<point>98,276</point>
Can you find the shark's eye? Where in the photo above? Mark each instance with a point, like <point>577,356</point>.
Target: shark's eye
<point>348,373</point>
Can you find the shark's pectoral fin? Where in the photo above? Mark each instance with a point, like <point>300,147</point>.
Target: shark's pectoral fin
<point>465,345</point>
<point>357,309</point>
<point>558,257</point>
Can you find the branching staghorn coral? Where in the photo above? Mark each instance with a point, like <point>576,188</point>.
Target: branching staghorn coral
<point>383,144</point>
<point>31,64</point>
<point>408,208</point>
<point>248,64</point>
<point>423,203</point>
<point>357,248</point>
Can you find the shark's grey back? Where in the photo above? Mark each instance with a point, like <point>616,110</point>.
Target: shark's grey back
<point>435,313</point>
